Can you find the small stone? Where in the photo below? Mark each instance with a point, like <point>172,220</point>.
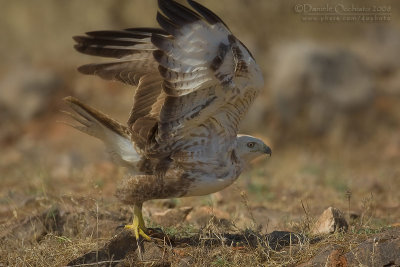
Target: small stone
<point>336,259</point>
<point>328,256</point>
<point>186,262</point>
<point>382,249</point>
<point>150,251</point>
<point>201,216</point>
<point>171,217</point>
<point>330,221</point>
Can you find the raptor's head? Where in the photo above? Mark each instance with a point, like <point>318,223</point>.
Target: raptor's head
<point>249,147</point>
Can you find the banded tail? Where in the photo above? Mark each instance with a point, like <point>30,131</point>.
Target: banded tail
<point>115,135</point>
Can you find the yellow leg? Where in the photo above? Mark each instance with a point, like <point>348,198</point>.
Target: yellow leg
<point>137,225</point>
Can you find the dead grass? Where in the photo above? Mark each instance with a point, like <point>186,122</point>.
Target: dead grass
<point>52,211</point>
<point>87,224</point>
<point>51,251</point>
<point>57,185</point>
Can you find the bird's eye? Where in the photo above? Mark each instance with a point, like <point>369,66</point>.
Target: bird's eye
<point>250,145</point>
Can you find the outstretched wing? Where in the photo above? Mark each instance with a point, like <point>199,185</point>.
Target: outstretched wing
<point>132,63</point>
<point>210,79</point>
<point>195,80</point>
<point>131,50</point>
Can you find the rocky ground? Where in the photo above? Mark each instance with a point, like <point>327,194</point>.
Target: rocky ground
<point>75,232</point>
<point>330,110</point>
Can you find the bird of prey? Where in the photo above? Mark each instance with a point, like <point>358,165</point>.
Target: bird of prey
<point>194,82</point>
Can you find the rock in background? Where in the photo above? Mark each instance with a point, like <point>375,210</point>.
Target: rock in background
<point>313,86</point>
<point>26,93</point>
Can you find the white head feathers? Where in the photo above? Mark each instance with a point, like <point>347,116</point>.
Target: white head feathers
<point>249,147</point>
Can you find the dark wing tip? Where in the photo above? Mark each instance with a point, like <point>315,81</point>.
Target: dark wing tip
<point>87,69</point>
<point>210,16</point>
<point>147,30</point>
<point>178,13</point>
<point>108,33</point>
<point>106,41</point>
<point>103,51</point>
<point>166,23</point>
<point>79,47</point>
<point>136,33</point>
<point>158,55</point>
<point>77,38</point>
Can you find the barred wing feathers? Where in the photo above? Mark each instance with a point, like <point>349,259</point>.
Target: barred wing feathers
<point>194,79</point>
<point>131,50</point>
<point>207,84</point>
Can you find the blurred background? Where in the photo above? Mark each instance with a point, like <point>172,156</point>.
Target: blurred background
<point>330,108</point>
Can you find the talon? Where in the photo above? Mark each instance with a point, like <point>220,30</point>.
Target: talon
<point>120,226</point>
<point>143,234</point>
<point>137,231</point>
<point>137,226</point>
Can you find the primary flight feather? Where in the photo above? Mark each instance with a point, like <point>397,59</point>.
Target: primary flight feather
<point>195,81</point>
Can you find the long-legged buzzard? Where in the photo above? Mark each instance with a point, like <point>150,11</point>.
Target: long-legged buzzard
<point>195,81</point>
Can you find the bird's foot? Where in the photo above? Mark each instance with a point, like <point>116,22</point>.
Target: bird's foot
<point>138,229</point>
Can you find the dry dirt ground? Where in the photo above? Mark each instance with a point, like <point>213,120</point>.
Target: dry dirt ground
<point>57,207</point>
<point>330,110</point>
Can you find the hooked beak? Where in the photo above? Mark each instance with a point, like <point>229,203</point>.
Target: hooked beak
<point>267,150</point>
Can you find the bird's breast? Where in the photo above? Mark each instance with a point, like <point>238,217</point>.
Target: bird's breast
<point>212,180</point>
